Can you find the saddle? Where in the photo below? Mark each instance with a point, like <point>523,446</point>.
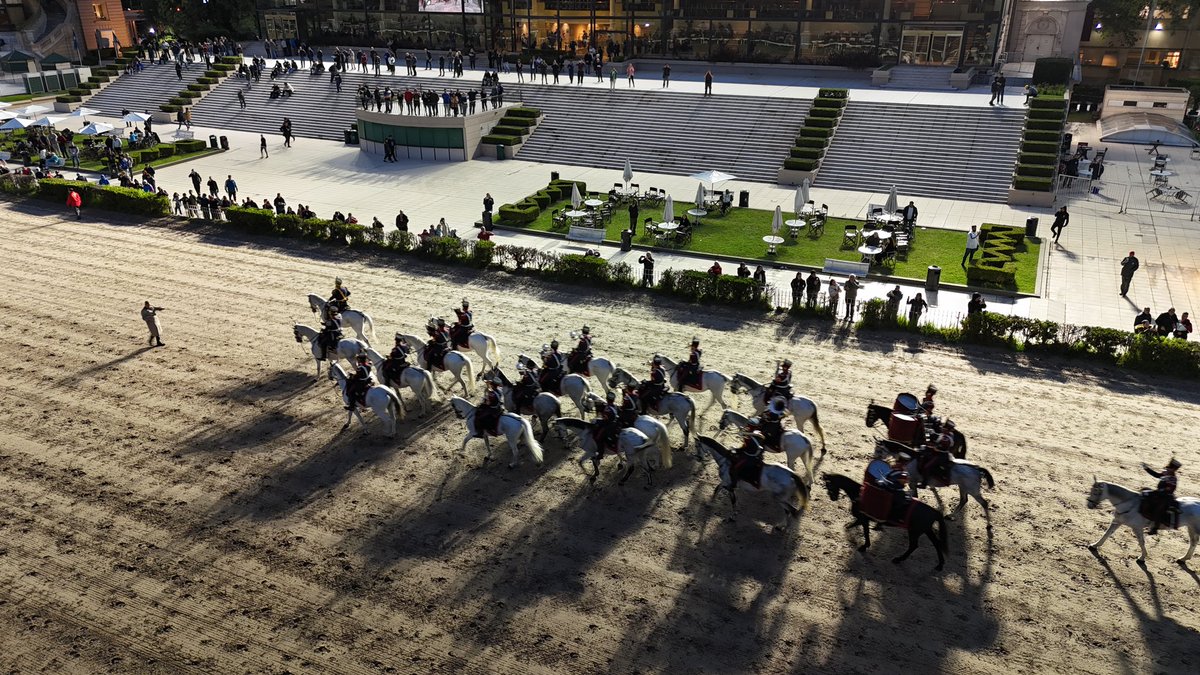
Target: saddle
<point>436,357</point>
<point>550,381</point>
<point>523,397</point>
<point>577,363</point>
<point>746,469</point>
<point>934,468</point>
<point>693,379</point>
<point>771,392</point>
<point>1159,508</point>
<point>460,336</point>
<point>487,422</point>
<point>394,370</point>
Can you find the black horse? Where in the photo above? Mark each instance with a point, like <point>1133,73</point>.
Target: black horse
<point>920,522</point>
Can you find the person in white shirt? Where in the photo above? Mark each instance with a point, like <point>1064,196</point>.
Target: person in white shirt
<point>972,245</point>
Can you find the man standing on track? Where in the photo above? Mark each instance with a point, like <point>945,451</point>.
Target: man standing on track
<point>150,316</point>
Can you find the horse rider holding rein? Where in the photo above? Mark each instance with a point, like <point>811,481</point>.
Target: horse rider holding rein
<point>781,385</point>
<point>927,402</point>
<point>397,360</point>
<point>360,382</point>
<point>1164,494</point>
<point>691,367</point>
<point>340,295</point>
<point>462,330</point>
<point>331,329</point>
<point>653,389</point>
<point>490,409</point>
<point>435,348</point>
<point>527,388</point>
<point>748,460</point>
<point>608,424</point>
<point>579,357</point>
<point>770,423</point>
<point>631,405</point>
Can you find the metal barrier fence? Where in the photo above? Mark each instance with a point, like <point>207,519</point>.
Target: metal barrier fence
<point>1178,199</point>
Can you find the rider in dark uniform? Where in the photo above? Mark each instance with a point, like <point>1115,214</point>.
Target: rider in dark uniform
<point>360,382</point>
<point>770,423</point>
<point>781,385</point>
<point>465,325</point>
<point>340,297</point>
<point>397,360</point>
<point>747,460</point>
<point>608,423</point>
<point>490,409</point>
<point>552,368</point>
<point>653,389</point>
<point>439,342</point>
<point>927,401</point>
<point>577,360</point>
<point>896,482</point>
<point>331,330</point>
<point>631,405</point>
<point>936,459</point>
<point>526,389</point>
<point>691,367</point>
<point>1164,494</point>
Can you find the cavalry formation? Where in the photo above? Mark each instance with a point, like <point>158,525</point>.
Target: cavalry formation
<point>919,448</point>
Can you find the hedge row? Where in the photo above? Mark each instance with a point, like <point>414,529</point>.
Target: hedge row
<point>817,130</point>
<point>500,139</point>
<point>108,197</point>
<point>1037,163</point>
<point>528,209</point>
<point>505,130</point>
<point>996,266</point>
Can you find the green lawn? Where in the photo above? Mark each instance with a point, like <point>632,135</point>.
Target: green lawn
<point>740,234</point>
<point>10,141</point>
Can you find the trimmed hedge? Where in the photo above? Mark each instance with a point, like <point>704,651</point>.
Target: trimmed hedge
<point>76,91</point>
<point>1038,158</point>
<point>820,122</point>
<point>254,220</point>
<point>499,139</point>
<point>1044,125</point>
<point>997,266</point>
<point>808,153</point>
<point>197,86</point>
<point>1043,136</point>
<point>90,86</point>
<point>209,81</point>
<point>528,209</point>
<point>704,288</point>
<point>833,113</point>
<point>1037,147</point>
<point>1058,115</point>
<point>820,102</point>
<point>179,100</point>
<point>169,108</point>
<point>1049,102</point>
<point>800,164</point>
<point>524,111</point>
<point>145,156</point>
<point>815,132</point>
<point>1034,184</point>
<point>235,60</point>
<point>69,99</point>
<point>165,150</point>
<point>189,94</point>
<point>191,145</point>
<point>1032,170</point>
<point>1053,70</point>
<point>505,130</point>
<point>108,197</point>
<point>802,142</point>
<point>833,93</point>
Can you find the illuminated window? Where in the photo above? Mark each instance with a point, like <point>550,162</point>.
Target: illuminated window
<point>1109,60</point>
<point>1170,58</point>
<point>98,10</point>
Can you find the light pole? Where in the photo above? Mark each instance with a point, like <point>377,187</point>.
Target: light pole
<point>1142,56</point>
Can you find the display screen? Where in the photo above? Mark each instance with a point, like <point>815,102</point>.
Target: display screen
<point>451,6</point>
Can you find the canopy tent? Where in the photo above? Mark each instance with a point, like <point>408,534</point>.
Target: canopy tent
<point>712,177</point>
<point>1143,128</point>
<point>96,128</point>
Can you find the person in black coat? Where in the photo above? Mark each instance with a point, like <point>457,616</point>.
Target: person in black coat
<point>633,217</point>
<point>488,202</point>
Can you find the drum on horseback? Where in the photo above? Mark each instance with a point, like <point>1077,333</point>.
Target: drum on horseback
<point>880,497</point>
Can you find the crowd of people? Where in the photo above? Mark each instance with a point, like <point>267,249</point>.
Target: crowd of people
<point>419,101</point>
<point>1166,324</point>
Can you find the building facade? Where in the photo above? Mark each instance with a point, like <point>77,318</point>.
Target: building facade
<point>1165,50</point>
<point>106,20</point>
<point>860,33</point>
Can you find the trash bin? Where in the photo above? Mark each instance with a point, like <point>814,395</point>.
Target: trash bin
<point>933,277</point>
<point>224,142</point>
<point>500,151</point>
<point>553,176</point>
<point>487,220</point>
<point>212,142</point>
<point>744,199</point>
<point>1066,142</point>
<point>626,240</point>
<point>1031,227</point>
<point>351,136</point>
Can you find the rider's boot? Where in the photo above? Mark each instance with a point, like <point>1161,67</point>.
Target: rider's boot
<point>1153,528</point>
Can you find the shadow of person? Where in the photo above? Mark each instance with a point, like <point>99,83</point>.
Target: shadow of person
<point>72,378</point>
<point>1168,642</point>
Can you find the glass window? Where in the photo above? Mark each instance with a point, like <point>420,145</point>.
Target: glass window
<point>99,12</point>
<point>1109,60</point>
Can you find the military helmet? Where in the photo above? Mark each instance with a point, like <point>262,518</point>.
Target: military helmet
<point>611,396</point>
<point>695,341</point>
<point>586,329</point>
<point>554,344</point>
<point>1174,464</point>
<point>337,281</point>
<point>657,360</point>
<point>441,321</point>
<point>787,363</point>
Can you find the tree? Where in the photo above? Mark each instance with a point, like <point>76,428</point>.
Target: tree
<point>194,19</point>
<point>1124,21</point>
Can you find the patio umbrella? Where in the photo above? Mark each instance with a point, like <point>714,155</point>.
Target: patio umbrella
<point>805,188</point>
<point>136,117</point>
<point>4,104</point>
<point>669,210</point>
<point>16,123</point>
<point>575,198</point>
<point>700,196</point>
<point>777,221</point>
<point>83,112</point>
<point>48,121</point>
<point>5,115</point>
<point>712,177</point>
<point>628,174</point>
<point>31,110</point>
<point>891,206</point>
<point>96,128</point>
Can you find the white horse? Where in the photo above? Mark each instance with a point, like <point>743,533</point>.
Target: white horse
<point>381,399</point>
<point>792,443</point>
<point>416,378</point>
<point>679,407</point>
<point>968,477</point>
<point>355,318</point>
<point>656,431</point>
<point>1127,511</point>
<point>452,362</point>
<point>513,428</point>
<point>347,348</point>
<point>710,380</point>
<point>482,344</point>
<point>632,446</point>
<point>783,484</point>
<point>573,386</point>
<point>802,408</point>
<point>601,369</point>
<point>544,405</point>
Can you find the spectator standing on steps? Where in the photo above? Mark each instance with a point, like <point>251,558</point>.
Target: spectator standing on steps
<point>666,75</point>
<point>708,78</point>
<point>241,99</point>
<point>1128,266</point>
<point>612,78</point>
<point>629,71</point>
<point>179,71</point>
<point>150,316</point>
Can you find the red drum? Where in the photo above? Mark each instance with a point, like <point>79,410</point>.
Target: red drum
<point>875,502</point>
<point>903,428</point>
<point>907,403</point>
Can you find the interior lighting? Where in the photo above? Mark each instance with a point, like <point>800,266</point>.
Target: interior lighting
<point>1099,25</point>
<point>1158,26</point>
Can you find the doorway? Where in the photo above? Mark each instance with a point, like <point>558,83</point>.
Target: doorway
<point>926,47</point>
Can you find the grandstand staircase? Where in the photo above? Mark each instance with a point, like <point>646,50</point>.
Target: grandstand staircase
<point>923,78</point>
<point>144,91</point>
<point>946,152</point>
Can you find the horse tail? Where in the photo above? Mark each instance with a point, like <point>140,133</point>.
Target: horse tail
<point>817,425</point>
<point>691,413</point>
<point>368,325</point>
<point>535,448</point>
<point>801,487</point>
<point>665,458</point>
<point>987,475</point>
<point>394,400</point>
<point>469,368</point>
<point>428,386</point>
<point>493,350</point>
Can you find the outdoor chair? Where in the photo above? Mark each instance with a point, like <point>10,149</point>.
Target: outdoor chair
<point>1155,193</point>
<point>617,186</point>
<point>889,259</point>
<point>1182,196</point>
<point>634,188</point>
<point>889,228</point>
<point>850,237</point>
<point>817,228</point>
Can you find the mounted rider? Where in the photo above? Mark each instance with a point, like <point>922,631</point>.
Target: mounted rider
<point>553,367</point>
<point>781,384</point>
<point>462,329</point>
<point>1162,502</point>
<point>608,423</point>
<point>896,482</point>
<point>359,382</point>
<point>631,405</point>
<point>927,402</point>
<point>331,330</point>
<point>748,460</point>
<point>577,360</point>
<point>526,389</point>
<point>487,415</point>
<point>397,361</point>
<point>439,342</point>
<point>935,460</point>
<point>689,368</point>
<point>340,297</point>
<point>770,423</point>
<point>652,391</point>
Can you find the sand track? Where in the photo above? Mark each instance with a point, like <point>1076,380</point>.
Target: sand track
<point>195,508</point>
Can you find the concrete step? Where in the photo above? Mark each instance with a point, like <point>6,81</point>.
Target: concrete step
<point>144,91</point>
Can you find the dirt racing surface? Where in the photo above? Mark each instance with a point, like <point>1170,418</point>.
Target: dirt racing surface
<point>195,508</point>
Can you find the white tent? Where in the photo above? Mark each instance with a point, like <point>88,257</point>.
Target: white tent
<point>31,110</point>
<point>96,128</point>
<point>136,117</point>
<point>16,123</point>
<point>83,112</point>
<point>48,121</point>
<point>712,177</point>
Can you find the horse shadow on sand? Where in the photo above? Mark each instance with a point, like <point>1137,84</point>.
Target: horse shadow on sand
<point>1170,645</point>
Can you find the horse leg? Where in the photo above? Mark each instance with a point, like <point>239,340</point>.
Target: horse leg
<point>1141,537</point>
<point>937,547</point>
<point>595,469</point>
<point>349,419</point>
<point>866,530</point>
<point>487,444</point>
<point>515,444</point>
<point>913,535</point>
<point>466,438</point>
<point>628,473</point>
<point>1108,533</point>
<point>1193,535</point>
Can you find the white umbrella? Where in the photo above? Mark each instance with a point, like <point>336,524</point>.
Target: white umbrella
<point>700,196</point>
<point>805,187</point>
<point>712,177</point>
<point>16,123</point>
<point>83,112</point>
<point>96,128</point>
<point>777,221</point>
<point>136,117</point>
<point>669,210</point>
<point>5,115</point>
<point>48,121</point>
<point>5,105</point>
<point>799,200</point>
<point>628,174</point>
<point>891,206</point>
<point>575,198</point>
<point>31,110</point>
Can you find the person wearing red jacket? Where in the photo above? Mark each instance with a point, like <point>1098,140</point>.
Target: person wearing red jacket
<point>75,201</point>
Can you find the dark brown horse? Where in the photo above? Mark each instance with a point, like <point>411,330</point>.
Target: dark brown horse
<point>921,520</point>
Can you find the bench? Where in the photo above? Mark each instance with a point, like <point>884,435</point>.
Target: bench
<point>845,267</point>
<point>184,135</point>
<point>594,235</point>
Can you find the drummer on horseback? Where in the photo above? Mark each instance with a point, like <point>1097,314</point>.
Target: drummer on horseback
<point>896,482</point>
<point>465,325</point>
<point>1162,499</point>
<point>578,359</point>
<point>608,423</point>
<point>936,459</point>
<point>487,415</point>
<point>552,367</point>
<point>331,329</point>
<point>439,342</point>
<point>360,382</point>
<point>781,385</point>
<point>652,390</point>
<point>527,388</point>
<point>689,368</point>
<point>397,360</point>
<point>340,297</point>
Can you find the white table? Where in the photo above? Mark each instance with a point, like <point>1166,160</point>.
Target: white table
<point>772,242</point>
<point>889,218</point>
<point>869,252</point>
<point>883,235</point>
<point>1161,173</point>
<point>697,214</point>
<point>575,214</point>
<point>593,203</point>
<point>668,227</point>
